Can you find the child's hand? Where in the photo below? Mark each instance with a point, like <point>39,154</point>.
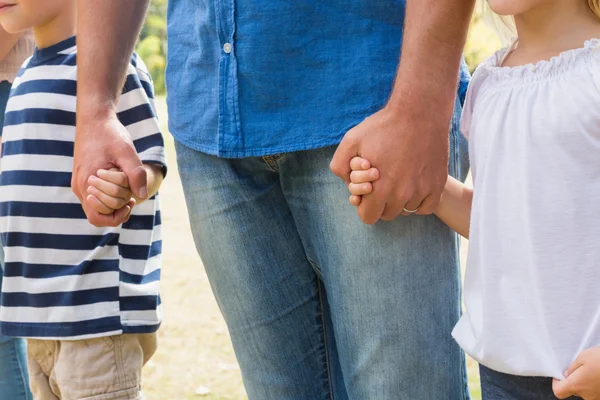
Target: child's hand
<point>109,191</point>
<point>361,177</point>
<point>582,377</point>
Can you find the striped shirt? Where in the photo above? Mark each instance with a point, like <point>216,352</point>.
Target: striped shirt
<point>63,277</point>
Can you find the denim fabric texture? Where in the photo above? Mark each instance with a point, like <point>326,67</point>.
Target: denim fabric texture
<point>318,304</point>
<point>256,78</point>
<point>498,386</point>
<point>4,94</point>
<point>14,378</point>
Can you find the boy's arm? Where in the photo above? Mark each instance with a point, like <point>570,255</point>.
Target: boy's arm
<point>155,174</point>
<point>455,206</point>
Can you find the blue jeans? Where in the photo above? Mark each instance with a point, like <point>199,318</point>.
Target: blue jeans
<point>4,93</point>
<point>14,379</point>
<point>499,386</point>
<point>318,304</point>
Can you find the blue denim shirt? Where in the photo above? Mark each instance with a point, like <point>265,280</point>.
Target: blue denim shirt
<point>253,78</point>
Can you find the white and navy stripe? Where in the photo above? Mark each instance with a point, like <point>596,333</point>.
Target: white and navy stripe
<point>64,278</point>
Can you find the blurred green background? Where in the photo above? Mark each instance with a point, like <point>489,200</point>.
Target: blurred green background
<point>152,46</point>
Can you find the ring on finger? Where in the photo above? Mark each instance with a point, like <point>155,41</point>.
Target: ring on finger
<point>410,211</point>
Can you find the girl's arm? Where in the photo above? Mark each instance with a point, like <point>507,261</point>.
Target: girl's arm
<point>7,42</point>
<point>455,206</point>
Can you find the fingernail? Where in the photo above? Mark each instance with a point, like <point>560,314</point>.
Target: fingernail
<point>143,192</point>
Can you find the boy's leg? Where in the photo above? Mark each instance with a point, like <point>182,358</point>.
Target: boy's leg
<point>40,362</point>
<point>107,368</point>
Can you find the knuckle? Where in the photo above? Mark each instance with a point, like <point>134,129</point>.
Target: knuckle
<point>333,167</point>
<point>383,188</point>
<point>363,215</point>
<point>95,221</point>
<point>369,219</point>
<point>406,193</point>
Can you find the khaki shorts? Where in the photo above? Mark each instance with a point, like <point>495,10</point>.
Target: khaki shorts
<point>107,368</point>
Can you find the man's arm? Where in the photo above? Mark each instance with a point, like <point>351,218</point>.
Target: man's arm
<point>7,42</point>
<point>106,34</point>
<point>408,140</point>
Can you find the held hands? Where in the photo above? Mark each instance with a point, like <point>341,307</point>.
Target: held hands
<point>109,192</point>
<point>102,142</point>
<point>406,144</point>
<point>362,178</point>
<point>582,377</point>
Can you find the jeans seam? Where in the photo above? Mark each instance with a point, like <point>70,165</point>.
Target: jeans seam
<point>325,340</point>
<point>23,380</point>
<point>314,265</point>
<point>454,146</point>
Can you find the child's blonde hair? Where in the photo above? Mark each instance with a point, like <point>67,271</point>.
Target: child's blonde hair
<point>595,6</point>
<point>505,25</point>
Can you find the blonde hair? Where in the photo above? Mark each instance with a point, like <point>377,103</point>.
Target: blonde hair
<point>595,6</point>
<point>505,25</point>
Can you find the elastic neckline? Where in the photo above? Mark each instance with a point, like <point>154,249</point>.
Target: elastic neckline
<point>47,53</point>
<point>557,65</point>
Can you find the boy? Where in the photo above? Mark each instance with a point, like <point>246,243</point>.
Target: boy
<point>86,298</point>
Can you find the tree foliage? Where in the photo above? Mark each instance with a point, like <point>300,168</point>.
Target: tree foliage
<point>152,45</point>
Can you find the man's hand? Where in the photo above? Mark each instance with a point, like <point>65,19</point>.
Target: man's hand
<point>106,34</point>
<point>408,140</point>
<point>411,154</point>
<point>104,143</point>
<point>582,377</point>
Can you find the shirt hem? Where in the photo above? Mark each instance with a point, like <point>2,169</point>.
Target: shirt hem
<point>25,330</point>
<point>255,152</point>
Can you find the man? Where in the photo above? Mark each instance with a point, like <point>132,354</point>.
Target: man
<point>260,95</point>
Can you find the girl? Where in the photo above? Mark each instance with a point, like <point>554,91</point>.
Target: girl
<point>14,49</point>
<point>532,286</point>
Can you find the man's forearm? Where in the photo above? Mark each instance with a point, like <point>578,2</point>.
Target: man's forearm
<point>434,37</point>
<point>106,34</point>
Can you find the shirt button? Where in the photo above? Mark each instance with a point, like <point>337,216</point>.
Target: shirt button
<point>227,48</point>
